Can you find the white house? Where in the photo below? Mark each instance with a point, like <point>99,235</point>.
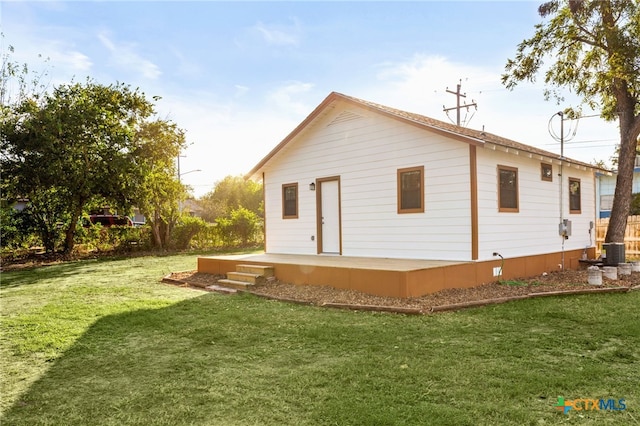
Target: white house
<point>389,183</point>
<point>359,179</point>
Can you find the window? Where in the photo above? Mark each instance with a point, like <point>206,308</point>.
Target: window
<point>411,190</point>
<point>290,201</point>
<point>507,189</point>
<point>546,172</point>
<point>574,196</point>
<point>606,202</point>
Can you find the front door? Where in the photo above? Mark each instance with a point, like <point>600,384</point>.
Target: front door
<point>329,216</point>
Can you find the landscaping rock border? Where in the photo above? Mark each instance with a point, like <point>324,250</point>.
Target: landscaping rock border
<point>202,285</point>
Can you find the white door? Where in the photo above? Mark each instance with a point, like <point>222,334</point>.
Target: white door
<point>330,216</point>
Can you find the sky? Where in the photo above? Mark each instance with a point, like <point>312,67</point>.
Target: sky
<point>239,76</point>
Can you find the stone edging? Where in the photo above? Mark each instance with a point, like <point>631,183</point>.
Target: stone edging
<point>167,279</point>
<point>434,309</point>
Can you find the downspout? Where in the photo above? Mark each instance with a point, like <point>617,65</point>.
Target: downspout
<point>562,233</point>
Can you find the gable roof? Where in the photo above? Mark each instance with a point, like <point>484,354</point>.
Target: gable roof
<point>471,136</point>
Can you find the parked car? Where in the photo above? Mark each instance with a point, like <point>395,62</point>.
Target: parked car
<point>110,220</point>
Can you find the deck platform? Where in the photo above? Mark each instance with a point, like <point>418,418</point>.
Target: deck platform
<point>380,276</point>
<point>392,277</point>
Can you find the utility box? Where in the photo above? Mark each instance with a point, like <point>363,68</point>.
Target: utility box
<point>613,254</point>
<point>564,228</point>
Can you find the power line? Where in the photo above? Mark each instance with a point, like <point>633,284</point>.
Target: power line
<point>585,141</point>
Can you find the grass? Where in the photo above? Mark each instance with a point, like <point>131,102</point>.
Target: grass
<point>104,343</point>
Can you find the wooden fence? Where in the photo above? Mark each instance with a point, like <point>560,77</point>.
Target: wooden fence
<point>631,236</point>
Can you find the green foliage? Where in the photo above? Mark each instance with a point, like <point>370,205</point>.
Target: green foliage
<point>112,239</point>
<point>593,48</point>
<point>159,192</point>
<point>186,229</point>
<point>635,205</point>
<point>232,193</point>
<point>76,144</point>
<point>46,216</point>
<point>17,82</point>
<point>514,283</point>
<point>16,229</point>
<point>242,226</point>
<point>207,238</point>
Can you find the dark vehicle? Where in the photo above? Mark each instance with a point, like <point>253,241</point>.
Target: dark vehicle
<point>110,220</point>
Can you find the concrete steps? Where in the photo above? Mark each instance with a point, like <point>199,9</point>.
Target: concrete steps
<point>247,276</point>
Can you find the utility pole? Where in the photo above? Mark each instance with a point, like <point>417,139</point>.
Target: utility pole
<point>179,174</point>
<point>458,107</point>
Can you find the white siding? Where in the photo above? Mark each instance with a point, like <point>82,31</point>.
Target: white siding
<point>534,229</point>
<point>365,150</point>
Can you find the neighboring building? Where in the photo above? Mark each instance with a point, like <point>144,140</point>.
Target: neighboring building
<point>606,187</point>
<point>357,178</point>
<point>192,207</point>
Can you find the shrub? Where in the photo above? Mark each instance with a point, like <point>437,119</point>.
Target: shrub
<point>241,227</point>
<point>186,229</point>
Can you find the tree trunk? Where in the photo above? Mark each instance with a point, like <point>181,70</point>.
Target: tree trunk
<point>71,230</point>
<point>624,182</point>
<point>621,200</point>
<point>155,231</point>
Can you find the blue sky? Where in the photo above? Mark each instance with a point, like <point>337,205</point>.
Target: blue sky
<point>239,76</point>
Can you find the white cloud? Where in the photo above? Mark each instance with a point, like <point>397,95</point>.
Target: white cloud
<point>241,90</point>
<point>125,57</point>
<point>280,35</point>
<point>75,60</point>
<point>229,137</point>
<point>185,66</point>
<point>288,98</point>
<point>420,85</point>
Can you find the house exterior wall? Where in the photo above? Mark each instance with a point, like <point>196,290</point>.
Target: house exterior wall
<point>534,228</point>
<point>606,187</point>
<point>365,150</point>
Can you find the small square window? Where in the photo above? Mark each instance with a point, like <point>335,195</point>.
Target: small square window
<point>546,172</point>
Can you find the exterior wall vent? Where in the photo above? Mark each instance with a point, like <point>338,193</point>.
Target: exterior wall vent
<point>343,117</point>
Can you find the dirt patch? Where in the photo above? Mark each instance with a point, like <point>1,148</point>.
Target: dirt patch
<point>499,290</point>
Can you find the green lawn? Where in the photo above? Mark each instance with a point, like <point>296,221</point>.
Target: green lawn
<point>104,343</point>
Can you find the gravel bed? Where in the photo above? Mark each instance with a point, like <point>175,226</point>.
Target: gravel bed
<point>320,295</point>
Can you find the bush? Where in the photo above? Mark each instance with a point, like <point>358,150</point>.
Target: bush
<point>186,229</point>
<point>241,227</point>
<point>17,230</point>
<point>112,238</point>
<point>208,237</point>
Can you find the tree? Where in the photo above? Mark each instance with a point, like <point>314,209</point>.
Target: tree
<point>72,146</point>
<point>596,48</point>
<point>230,194</point>
<point>17,82</point>
<point>159,190</point>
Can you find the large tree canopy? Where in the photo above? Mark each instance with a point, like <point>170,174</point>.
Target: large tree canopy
<point>79,144</point>
<point>593,47</point>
